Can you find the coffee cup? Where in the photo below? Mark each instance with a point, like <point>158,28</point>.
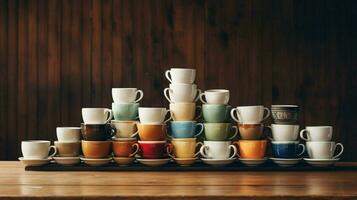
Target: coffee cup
<point>251,131</point>
<point>37,149</point>
<point>125,147</point>
<point>284,132</point>
<point>287,149</point>
<point>317,133</point>
<point>68,134</point>
<point>152,132</point>
<point>285,114</point>
<point>153,115</point>
<point>96,149</point>
<point>185,129</point>
<point>218,150</point>
<point>97,132</point>
<point>68,149</point>
<point>154,149</point>
<point>126,95</point>
<point>251,149</point>
<point>125,129</point>
<point>215,113</point>
<point>215,96</point>
<point>185,148</point>
<point>250,114</point>
<point>125,111</point>
<point>220,131</point>
<point>181,75</point>
<point>323,149</point>
<point>180,92</point>
<point>96,115</point>
<point>185,111</point>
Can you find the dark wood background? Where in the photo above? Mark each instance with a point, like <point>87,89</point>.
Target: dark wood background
<point>57,56</point>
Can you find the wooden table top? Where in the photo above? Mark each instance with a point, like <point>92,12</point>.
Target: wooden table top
<point>15,182</point>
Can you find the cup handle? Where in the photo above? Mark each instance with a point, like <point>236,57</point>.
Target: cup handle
<point>235,132</point>
<point>234,151</point>
<point>233,116</point>
<point>235,143</point>
<point>168,119</point>
<point>113,131</point>
<point>199,110</point>
<point>168,74</point>
<point>169,150</point>
<point>201,129</point>
<point>203,150</point>
<point>302,150</point>
<point>134,134</point>
<point>166,95</point>
<point>201,97</point>
<point>55,151</point>
<point>136,149</point>
<point>198,144</point>
<point>339,154</point>
<point>110,115</point>
<point>268,113</point>
<point>302,135</point>
<point>198,95</point>
<point>141,95</point>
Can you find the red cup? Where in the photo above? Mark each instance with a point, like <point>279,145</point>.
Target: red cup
<point>153,149</point>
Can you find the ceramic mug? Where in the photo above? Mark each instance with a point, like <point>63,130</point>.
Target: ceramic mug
<point>126,95</point>
<point>185,111</point>
<point>125,129</point>
<point>181,75</point>
<point>97,132</point>
<point>180,92</point>
<point>220,131</point>
<point>218,150</point>
<point>285,114</point>
<point>96,115</point>
<point>287,149</point>
<point>251,149</point>
<point>154,149</point>
<point>215,113</point>
<point>250,114</point>
<point>185,129</point>
<point>68,134</point>
<point>125,111</point>
<point>152,132</point>
<point>323,149</point>
<point>125,147</point>
<point>250,131</point>
<point>215,96</point>
<point>68,149</point>
<point>185,148</point>
<point>37,149</point>
<point>284,132</point>
<point>153,115</point>
<point>317,133</point>
<point>96,149</point>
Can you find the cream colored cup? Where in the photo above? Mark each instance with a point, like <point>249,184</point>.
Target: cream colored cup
<point>127,95</point>
<point>218,150</point>
<point>68,134</point>
<point>151,115</point>
<point>185,111</point>
<point>96,115</point>
<point>37,149</point>
<point>125,129</point>
<point>215,96</point>
<point>180,92</point>
<point>323,149</point>
<point>181,75</point>
<point>316,133</point>
<point>250,114</point>
<point>185,147</point>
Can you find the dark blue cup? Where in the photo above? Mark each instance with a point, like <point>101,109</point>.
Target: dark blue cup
<point>185,129</point>
<point>287,149</point>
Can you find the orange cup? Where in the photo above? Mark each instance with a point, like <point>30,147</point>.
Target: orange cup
<point>152,132</point>
<point>251,149</point>
<point>96,149</point>
<point>125,147</point>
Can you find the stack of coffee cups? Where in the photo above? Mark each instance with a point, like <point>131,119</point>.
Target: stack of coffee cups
<point>68,145</point>
<point>252,145</point>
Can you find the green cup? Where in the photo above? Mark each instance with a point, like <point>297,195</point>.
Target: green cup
<point>220,131</point>
<point>125,111</point>
<point>216,113</point>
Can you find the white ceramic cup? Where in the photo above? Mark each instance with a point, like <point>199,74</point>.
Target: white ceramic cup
<point>282,132</point>
<point>96,115</point>
<point>149,115</point>
<point>37,149</point>
<point>316,133</point>
<point>181,75</point>
<point>180,93</point>
<point>218,150</point>
<point>68,134</point>
<point>125,129</point>
<point>127,95</point>
<point>323,149</point>
<point>215,96</point>
<point>250,114</point>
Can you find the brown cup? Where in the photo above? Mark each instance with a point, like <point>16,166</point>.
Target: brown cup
<point>250,131</point>
<point>125,147</point>
<point>68,149</point>
<point>97,132</point>
<point>96,149</point>
<point>152,132</point>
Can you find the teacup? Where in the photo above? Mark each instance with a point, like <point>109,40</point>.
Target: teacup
<point>250,114</point>
<point>37,149</point>
<point>97,132</point>
<point>152,132</point>
<point>185,111</point>
<point>154,149</point>
<point>287,149</point>
<point>251,149</point>
<point>181,75</point>
<point>68,149</point>
<point>317,133</point>
<point>215,96</point>
<point>126,95</point>
<point>180,92</point>
<point>285,114</point>
<point>323,150</point>
<point>215,113</point>
<point>218,150</point>
<point>96,149</point>
<point>125,111</point>
<point>185,129</point>
<point>124,129</point>
<point>284,132</point>
<point>251,131</point>
<point>185,148</point>
<point>125,147</point>
<point>68,134</point>
<point>220,131</point>
<point>96,115</point>
<point>153,115</point>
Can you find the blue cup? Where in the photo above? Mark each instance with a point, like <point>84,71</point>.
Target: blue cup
<point>185,129</point>
<point>287,149</point>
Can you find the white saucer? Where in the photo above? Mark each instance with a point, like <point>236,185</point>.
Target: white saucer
<point>286,162</point>
<point>154,162</point>
<point>252,162</point>
<point>68,161</point>
<point>321,162</point>
<point>218,162</point>
<point>124,161</point>
<point>34,162</point>
<point>185,161</point>
<point>96,161</point>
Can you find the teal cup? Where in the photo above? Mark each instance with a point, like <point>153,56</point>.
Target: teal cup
<point>125,111</point>
<point>216,113</point>
<point>220,131</point>
<point>185,129</point>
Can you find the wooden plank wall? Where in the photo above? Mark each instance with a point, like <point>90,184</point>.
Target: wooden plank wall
<point>60,55</point>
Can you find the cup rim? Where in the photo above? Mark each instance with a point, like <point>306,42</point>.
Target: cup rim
<point>284,105</point>
<point>254,106</point>
<point>150,124</point>
<point>180,68</point>
<point>253,141</point>
<point>152,142</point>
<point>214,104</point>
<point>216,142</point>
<point>36,141</point>
<point>183,122</point>
<point>314,126</point>
<point>285,142</point>
<point>123,121</point>
<point>133,103</point>
<point>66,142</point>
<point>215,123</point>
<point>94,108</point>
<point>128,88</point>
<point>247,123</point>
<point>123,139</point>
<point>190,103</point>
<point>104,124</point>
<point>95,141</point>
<point>152,108</point>
<point>191,84</point>
<point>69,127</point>
<point>311,142</point>
<point>217,91</point>
<point>295,125</point>
<point>183,139</point>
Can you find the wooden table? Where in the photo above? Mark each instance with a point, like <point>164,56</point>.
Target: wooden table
<point>17,183</point>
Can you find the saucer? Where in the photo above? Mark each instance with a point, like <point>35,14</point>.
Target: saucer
<point>252,162</point>
<point>218,162</point>
<point>185,161</point>
<point>124,161</point>
<point>286,162</point>
<point>321,162</point>
<point>96,161</point>
<point>154,162</point>
<point>68,161</point>
<point>34,162</point>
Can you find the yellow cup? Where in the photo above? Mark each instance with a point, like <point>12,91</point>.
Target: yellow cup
<point>185,147</point>
<point>251,149</point>
<point>184,111</point>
